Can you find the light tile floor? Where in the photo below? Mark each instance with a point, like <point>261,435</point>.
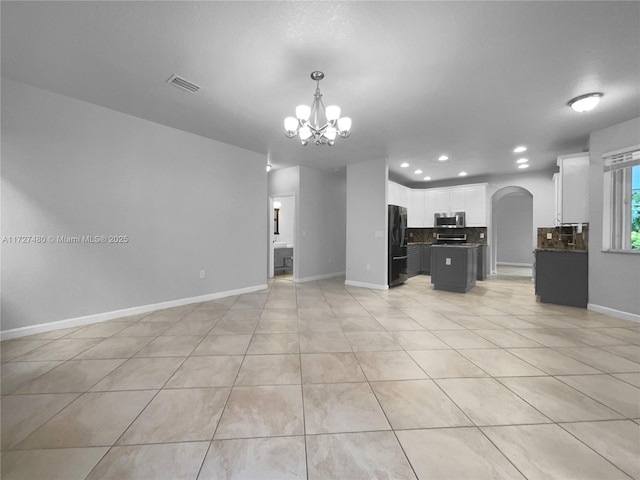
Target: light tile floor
<point>319,380</point>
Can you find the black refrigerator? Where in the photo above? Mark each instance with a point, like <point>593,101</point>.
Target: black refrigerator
<point>397,245</point>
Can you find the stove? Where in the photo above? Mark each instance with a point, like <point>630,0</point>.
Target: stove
<point>451,238</point>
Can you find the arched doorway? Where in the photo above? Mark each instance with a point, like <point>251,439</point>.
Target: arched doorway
<point>512,236</point>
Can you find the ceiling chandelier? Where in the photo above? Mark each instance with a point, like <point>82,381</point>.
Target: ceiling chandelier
<point>307,122</point>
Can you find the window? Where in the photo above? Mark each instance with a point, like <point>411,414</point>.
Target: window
<point>621,213</point>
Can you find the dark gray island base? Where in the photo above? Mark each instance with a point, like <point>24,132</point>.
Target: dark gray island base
<point>562,277</point>
<point>454,268</point>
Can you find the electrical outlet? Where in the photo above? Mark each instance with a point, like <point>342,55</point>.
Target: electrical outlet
<point>481,234</point>
<point>202,274</point>
<point>549,236</point>
<point>434,234</point>
<point>447,261</point>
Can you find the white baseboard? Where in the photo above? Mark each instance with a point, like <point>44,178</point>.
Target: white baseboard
<point>101,317</point>
<point>373,286</point>
<point>514,264</point>
<point>612,312</point>
<point>317,277</point>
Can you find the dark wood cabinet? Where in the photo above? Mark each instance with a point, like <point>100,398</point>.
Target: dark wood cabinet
<point>425,264</point>
<point>454,268</point>
<point>414,253</point>
<point>562,277</point>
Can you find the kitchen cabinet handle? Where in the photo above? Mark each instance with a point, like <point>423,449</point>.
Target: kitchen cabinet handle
<point>400,258</point>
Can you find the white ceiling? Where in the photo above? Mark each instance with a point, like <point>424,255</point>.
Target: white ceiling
<point>469,79</point>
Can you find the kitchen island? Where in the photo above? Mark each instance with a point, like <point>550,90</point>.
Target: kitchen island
<point>454,268</point>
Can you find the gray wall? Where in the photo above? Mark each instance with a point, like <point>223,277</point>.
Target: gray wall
<point>367,224</point>
<point>323,223</point>
<point>539,184</point>
<point>72,168</point>
<point>320,226</point>
<point>613,277</point>
<point>514,218</point>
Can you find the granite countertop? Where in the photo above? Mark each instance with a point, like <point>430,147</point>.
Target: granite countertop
<point>461,245</point>
<point>560,250</point>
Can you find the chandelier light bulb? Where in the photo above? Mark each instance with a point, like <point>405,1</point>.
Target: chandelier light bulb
<point>344,125</point>
<point>333,113</point>
<point>305,133</point>
<point>306,125</point>
<point>303,112</point>
<point>585,103</point>
<point>290,126</point>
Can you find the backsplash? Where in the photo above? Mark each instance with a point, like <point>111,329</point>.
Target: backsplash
<point>427,235</point>
<point>564,238</point>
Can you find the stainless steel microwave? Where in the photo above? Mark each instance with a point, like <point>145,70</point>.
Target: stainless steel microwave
<point>447,220</point>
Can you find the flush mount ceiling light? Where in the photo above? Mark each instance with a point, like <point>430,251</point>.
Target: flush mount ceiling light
<point>268,167</point>
<point>306,123</point>
<point>522,160</point>
<point>462,174</point>
<point>443,158</point>
<point>584,103</point>
<point>520,149</point>
<point>427,178</point>
<point>418,172</point>
<point>404,165</point>
<point>524,165</point>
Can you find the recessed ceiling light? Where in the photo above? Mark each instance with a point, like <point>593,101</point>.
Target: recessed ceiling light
<point>418,172</point>
<point>443,158</point>
<point>462,174</point>
<point>524,165</point>
<point>404,165</point>
<point>522,160</point>
<point>584,103</point>
<point>520,149</point>
<point>427,178</point>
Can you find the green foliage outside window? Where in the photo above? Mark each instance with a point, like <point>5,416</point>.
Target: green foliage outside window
<point>635,220</point>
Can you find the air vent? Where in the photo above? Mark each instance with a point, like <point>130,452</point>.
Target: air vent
<point>183,84</point>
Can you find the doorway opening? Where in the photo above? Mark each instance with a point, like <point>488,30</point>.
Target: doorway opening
<point>282,236</point>
<point>512,236</point>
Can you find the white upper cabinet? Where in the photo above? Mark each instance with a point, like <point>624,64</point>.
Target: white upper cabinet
<point>397,194</point>
<point>415,210</point>
<point>475,205</point>
<point>442,200</point>
<point>429,207</point>
<point>457,199</point>
<point>572,188</point>
<point>422,204</point>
